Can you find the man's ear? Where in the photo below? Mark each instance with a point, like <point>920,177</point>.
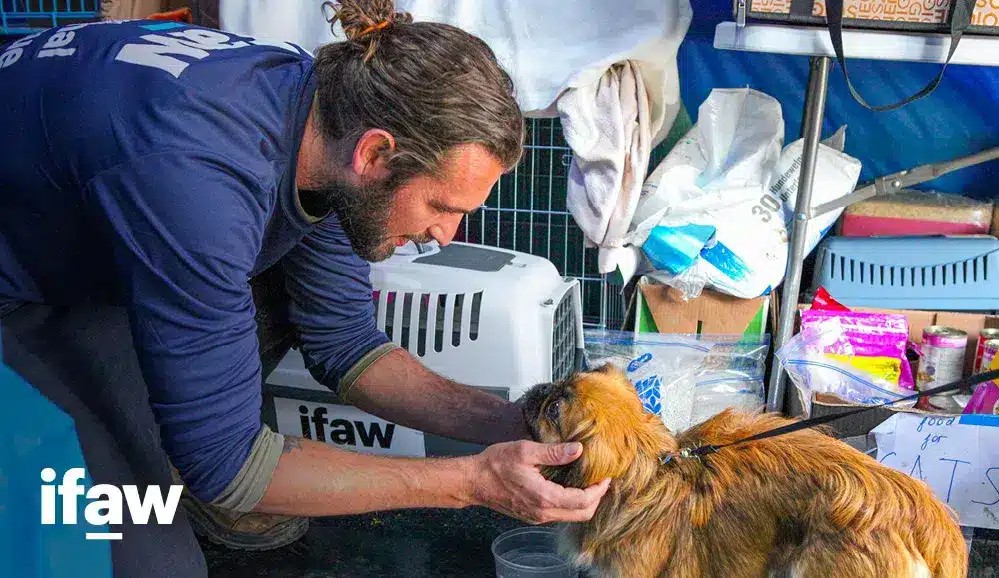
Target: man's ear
<point>371,153</point>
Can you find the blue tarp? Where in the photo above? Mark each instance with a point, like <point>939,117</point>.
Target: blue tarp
<point>960,117</point>
<point>35,434</point>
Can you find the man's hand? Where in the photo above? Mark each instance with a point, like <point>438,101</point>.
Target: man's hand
<point>506,477</point>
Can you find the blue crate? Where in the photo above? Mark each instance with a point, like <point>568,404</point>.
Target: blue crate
<point>923,273</point>
<point>19,17</point>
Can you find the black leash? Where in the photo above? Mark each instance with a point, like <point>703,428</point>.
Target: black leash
<point>815,421</point>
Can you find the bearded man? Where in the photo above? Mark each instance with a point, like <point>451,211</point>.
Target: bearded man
<point>153,171</point>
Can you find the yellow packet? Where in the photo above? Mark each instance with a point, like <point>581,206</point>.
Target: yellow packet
<point>887,368</point>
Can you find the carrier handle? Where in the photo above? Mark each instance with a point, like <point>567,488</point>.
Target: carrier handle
<point>960,21</point>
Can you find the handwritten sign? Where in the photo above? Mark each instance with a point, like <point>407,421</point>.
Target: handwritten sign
<point>957,456</point>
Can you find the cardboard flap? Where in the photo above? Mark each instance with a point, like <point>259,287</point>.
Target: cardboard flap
<point>710,313</point>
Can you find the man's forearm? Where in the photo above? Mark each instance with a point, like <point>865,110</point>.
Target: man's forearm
<point>316,479</point>
<point>399,388</point>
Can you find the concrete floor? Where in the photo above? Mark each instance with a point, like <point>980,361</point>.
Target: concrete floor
<point>425,543</point>
<point>414,544</point>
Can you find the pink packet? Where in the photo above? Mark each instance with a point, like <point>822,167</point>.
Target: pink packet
<point>984,399</point>
<point>866,336</point>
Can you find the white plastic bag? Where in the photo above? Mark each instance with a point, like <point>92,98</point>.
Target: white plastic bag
<point>717,211</point>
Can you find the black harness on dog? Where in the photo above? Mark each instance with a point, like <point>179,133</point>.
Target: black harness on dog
<point>701,451</point>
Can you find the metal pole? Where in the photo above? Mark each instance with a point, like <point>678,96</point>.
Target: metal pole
<point>815,104</point>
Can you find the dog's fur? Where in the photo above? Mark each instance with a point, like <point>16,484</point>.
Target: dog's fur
<point>801,504</point>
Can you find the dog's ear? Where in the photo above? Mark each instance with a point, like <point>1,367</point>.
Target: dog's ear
<point>609,368</point>
<point>606,454</point>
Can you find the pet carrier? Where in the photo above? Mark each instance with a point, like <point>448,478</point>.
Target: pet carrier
<point>492,318</point>
<point>923,273</point>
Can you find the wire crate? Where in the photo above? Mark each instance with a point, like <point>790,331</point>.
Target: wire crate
<point>19,17</point>
<point>526,211</point>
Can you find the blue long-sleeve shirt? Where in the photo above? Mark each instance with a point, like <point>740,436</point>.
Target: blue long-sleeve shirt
<point>152,165</point>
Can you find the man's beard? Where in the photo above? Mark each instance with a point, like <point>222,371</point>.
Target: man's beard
<point>363,213</point>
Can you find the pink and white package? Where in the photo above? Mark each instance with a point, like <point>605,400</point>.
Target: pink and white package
<point>874,343</point>
<point>985,399</point>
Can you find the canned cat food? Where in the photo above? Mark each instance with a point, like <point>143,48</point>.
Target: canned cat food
<point>989,351</point>
<point>984,337</point>
<point>943,357</point>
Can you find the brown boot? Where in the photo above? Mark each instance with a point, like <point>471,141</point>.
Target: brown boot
<point>241,530</point>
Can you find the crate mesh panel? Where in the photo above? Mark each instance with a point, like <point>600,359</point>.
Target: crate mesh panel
<point>526,211</point>
<point>27,16</point>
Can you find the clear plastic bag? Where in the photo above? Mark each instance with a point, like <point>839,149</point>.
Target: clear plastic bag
<point>913,212</point>
<point>807,362</point>
<point>684,378</point>
<point>731,376</point>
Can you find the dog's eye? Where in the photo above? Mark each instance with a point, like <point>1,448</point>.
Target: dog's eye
<point>553,410</point>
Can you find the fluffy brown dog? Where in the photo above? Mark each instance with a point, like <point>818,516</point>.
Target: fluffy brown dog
<point>802,504</point>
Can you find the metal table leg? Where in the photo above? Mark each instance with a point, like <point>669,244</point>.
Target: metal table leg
<point>815,104</point>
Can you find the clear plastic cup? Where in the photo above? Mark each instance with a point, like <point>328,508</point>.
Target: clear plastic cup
<point>530,552</point>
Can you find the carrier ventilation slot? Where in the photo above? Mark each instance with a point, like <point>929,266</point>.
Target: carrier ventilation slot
<point>856,271</point>
<point>564,339</point>
<point>421,322</point>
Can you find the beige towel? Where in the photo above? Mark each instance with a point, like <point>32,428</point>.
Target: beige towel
<point>609,128</point>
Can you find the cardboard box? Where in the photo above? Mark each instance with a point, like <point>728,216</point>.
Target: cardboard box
<point>862,424</point>
<point>855,425</point>
<point>661,308</point>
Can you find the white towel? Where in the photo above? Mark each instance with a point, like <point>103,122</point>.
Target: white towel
<point>300,22</point>
<point>607,125</point>
<point>549,46</point>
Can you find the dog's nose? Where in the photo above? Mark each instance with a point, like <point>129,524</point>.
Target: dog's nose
<point>533,398</point>
<point>540,391</point>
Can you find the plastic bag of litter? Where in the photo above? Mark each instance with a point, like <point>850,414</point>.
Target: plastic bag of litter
<point>684,379</point>
<point>717,210</point>
<point>817,361</point>
<point>662,367</point>
<point>730,376</point>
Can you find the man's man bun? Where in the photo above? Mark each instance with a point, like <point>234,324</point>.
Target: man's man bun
<point>365,21</point>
